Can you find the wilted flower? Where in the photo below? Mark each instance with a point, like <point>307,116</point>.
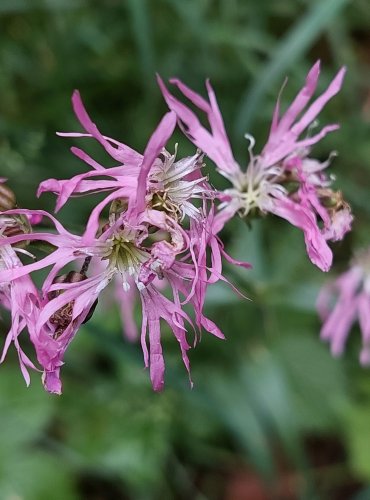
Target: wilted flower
<point>282,180</point>
<point>343,302</point>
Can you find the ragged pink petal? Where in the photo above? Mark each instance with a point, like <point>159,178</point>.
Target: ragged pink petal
<point>214,143</point>
<point>344,301</point>
<point>155,145</point>
<point>301,217</point>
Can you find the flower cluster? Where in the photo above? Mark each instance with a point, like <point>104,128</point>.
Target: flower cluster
<point>155,234</point>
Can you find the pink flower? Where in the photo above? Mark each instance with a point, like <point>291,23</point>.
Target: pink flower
<point>344,301</point>
<point>154,232</point>
<point>154,178</point>
<point>133,255</point>
<point>282,180</point>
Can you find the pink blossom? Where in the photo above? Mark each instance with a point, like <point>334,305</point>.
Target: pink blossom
<point>154,178</point>
<point>154,232</point>
<point>342,302</point>
<point>266,185</point>
<point>130,253</point>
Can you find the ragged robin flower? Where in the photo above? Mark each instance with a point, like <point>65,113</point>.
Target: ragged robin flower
<point>283,179</point>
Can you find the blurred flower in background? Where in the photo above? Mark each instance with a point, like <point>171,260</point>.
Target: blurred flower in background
<point>352,289</point>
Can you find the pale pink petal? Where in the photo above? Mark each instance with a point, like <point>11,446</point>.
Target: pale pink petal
<point>301,217</point>
<point>120,153</point>
<point>300,102</point>
<point>126,301</point>
<point>216,144</point>
<point>155,145</point>
<point>283,139</point>
<point>317,106</point>
<point>337,326</point>
<point>364,316</point>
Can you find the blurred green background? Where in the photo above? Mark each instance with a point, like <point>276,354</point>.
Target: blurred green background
<point>272,415</point>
